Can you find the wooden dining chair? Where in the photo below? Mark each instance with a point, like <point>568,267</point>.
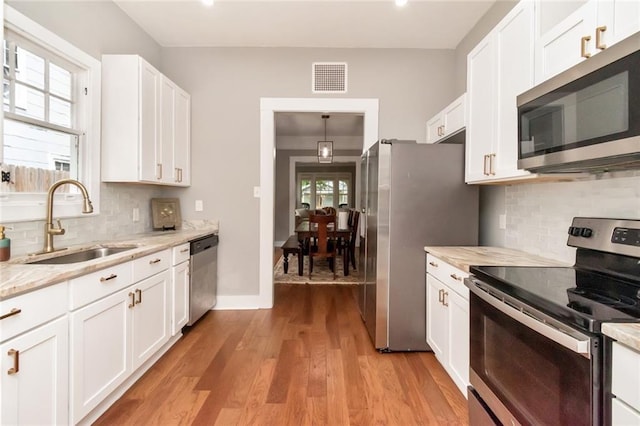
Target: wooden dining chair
<point>354,222</point>
<point>326,242</point>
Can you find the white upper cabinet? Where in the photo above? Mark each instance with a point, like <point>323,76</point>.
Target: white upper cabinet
<point>499,68</point>
<point>146,121</point>
<point>594,26</point>
<point>448,122</point>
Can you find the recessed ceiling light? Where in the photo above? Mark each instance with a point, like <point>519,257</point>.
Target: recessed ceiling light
<point>401,3</point>
<point>207,2</point>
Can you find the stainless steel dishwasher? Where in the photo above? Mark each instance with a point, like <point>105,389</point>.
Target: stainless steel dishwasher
<point>203,270</point>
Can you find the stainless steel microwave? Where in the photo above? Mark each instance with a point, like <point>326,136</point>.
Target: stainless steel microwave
<point>585,119</point>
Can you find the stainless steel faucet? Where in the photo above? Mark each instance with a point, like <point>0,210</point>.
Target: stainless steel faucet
<point>49,229</point>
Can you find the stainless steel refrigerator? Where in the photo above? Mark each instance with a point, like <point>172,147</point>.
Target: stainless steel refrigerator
<point>413,195</point>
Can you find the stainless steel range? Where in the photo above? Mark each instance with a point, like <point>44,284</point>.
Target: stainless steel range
<point>537,352</point>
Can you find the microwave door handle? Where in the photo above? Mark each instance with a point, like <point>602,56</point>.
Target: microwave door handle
<point>579,346</point>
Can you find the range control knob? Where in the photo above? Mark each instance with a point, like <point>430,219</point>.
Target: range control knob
<point>586,232</point>
<point>575,231</point>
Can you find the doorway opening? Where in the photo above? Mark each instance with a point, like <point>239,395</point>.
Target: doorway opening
<point>269,107</point>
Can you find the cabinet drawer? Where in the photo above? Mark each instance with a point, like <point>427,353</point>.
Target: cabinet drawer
<point>180,253</point>
<point>626,365</point>
<point>449,275</point>
<point>90,287</point>
<point>32,309</point>
<point>150,265</point>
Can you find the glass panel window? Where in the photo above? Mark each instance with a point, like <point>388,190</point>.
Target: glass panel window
<point>29,102</point>
<point>36,157</point>
<point>324,190</point>
<point>59,81</point>
<point>29,68</point>
<point>40,144</point>
<point>324,193</point>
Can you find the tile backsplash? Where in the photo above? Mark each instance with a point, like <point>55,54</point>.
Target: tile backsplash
<point>115,219</point>
<point>539,214</point>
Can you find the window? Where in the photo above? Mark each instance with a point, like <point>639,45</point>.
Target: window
<point>324,189</point>
<point>51,122</point>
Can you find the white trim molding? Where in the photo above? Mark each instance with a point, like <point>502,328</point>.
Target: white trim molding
<point>268,108</point>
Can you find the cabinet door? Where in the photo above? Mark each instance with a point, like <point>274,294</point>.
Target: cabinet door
<point>150,320</point>
<point>458,355</point>
<point>182,139</point>
<point>38,393</point>
<point>617,19</point>
<point>481,117</point>
<point>437,321</point>
<point>514,71</point>
<point>560,47</point>
<point>180,299</point>
<point>454,116</point>
<point>100,351</point>
<point>150,150</point>
<point>167,130</point>
<point>434,128</point>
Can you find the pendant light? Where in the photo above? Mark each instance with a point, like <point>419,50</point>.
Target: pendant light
<point>325,147</point>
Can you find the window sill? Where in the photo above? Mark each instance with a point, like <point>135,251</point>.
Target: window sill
<point>15,207</point>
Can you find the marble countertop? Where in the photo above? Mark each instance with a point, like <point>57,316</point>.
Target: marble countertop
<point>18,277</point>
<point>627,334</point>
<point>462,257</point>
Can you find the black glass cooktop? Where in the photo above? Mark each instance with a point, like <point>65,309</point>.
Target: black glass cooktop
<point>577,297</point>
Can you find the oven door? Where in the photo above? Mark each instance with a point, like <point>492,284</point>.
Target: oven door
<point>528,372</point>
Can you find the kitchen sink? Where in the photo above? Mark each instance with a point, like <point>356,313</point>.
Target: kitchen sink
<point>82,256</point>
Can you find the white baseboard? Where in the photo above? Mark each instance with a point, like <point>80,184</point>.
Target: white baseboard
<point>278,244</point>
<point>250,301</point>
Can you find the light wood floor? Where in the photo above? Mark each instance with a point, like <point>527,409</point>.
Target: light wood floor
<point>307,361</point>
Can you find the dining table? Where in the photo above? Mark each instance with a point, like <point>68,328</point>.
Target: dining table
<point>305,232</point>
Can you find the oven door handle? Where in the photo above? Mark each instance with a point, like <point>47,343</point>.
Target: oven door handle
<point>576,342</point>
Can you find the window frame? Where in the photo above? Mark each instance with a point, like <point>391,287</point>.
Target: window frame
<point>22,207</point>
<point>336,177</point>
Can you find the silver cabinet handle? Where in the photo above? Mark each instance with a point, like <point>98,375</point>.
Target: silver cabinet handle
<point>455,277</point>
<point>159,171</point>
<point>12,312</point>
<point>184,250</point>
<point>139,293</point>
<point>132,295</point>
<point>440,295</point>
<point>151,262</point>
<point>444,298</point>
<point>110,277</point>
<point>492,157</point>
<point>177,175</point>
<point>434,264</point>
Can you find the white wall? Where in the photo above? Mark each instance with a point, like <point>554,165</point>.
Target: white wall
<point>226,85</point>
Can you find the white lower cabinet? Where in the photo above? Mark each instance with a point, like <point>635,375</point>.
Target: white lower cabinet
<point>180,301</point>
<point>100,344</point>
<point>180,287</point>
<point>150,319</point>
<point>114,335</point>
<point>448,319</point>
<point>35,376</point>
<point>625,386</point>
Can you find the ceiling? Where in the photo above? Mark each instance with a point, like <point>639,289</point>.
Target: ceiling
<point>423,24</point>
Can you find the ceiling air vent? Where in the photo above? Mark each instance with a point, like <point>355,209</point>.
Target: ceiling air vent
<point>329,77</point>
